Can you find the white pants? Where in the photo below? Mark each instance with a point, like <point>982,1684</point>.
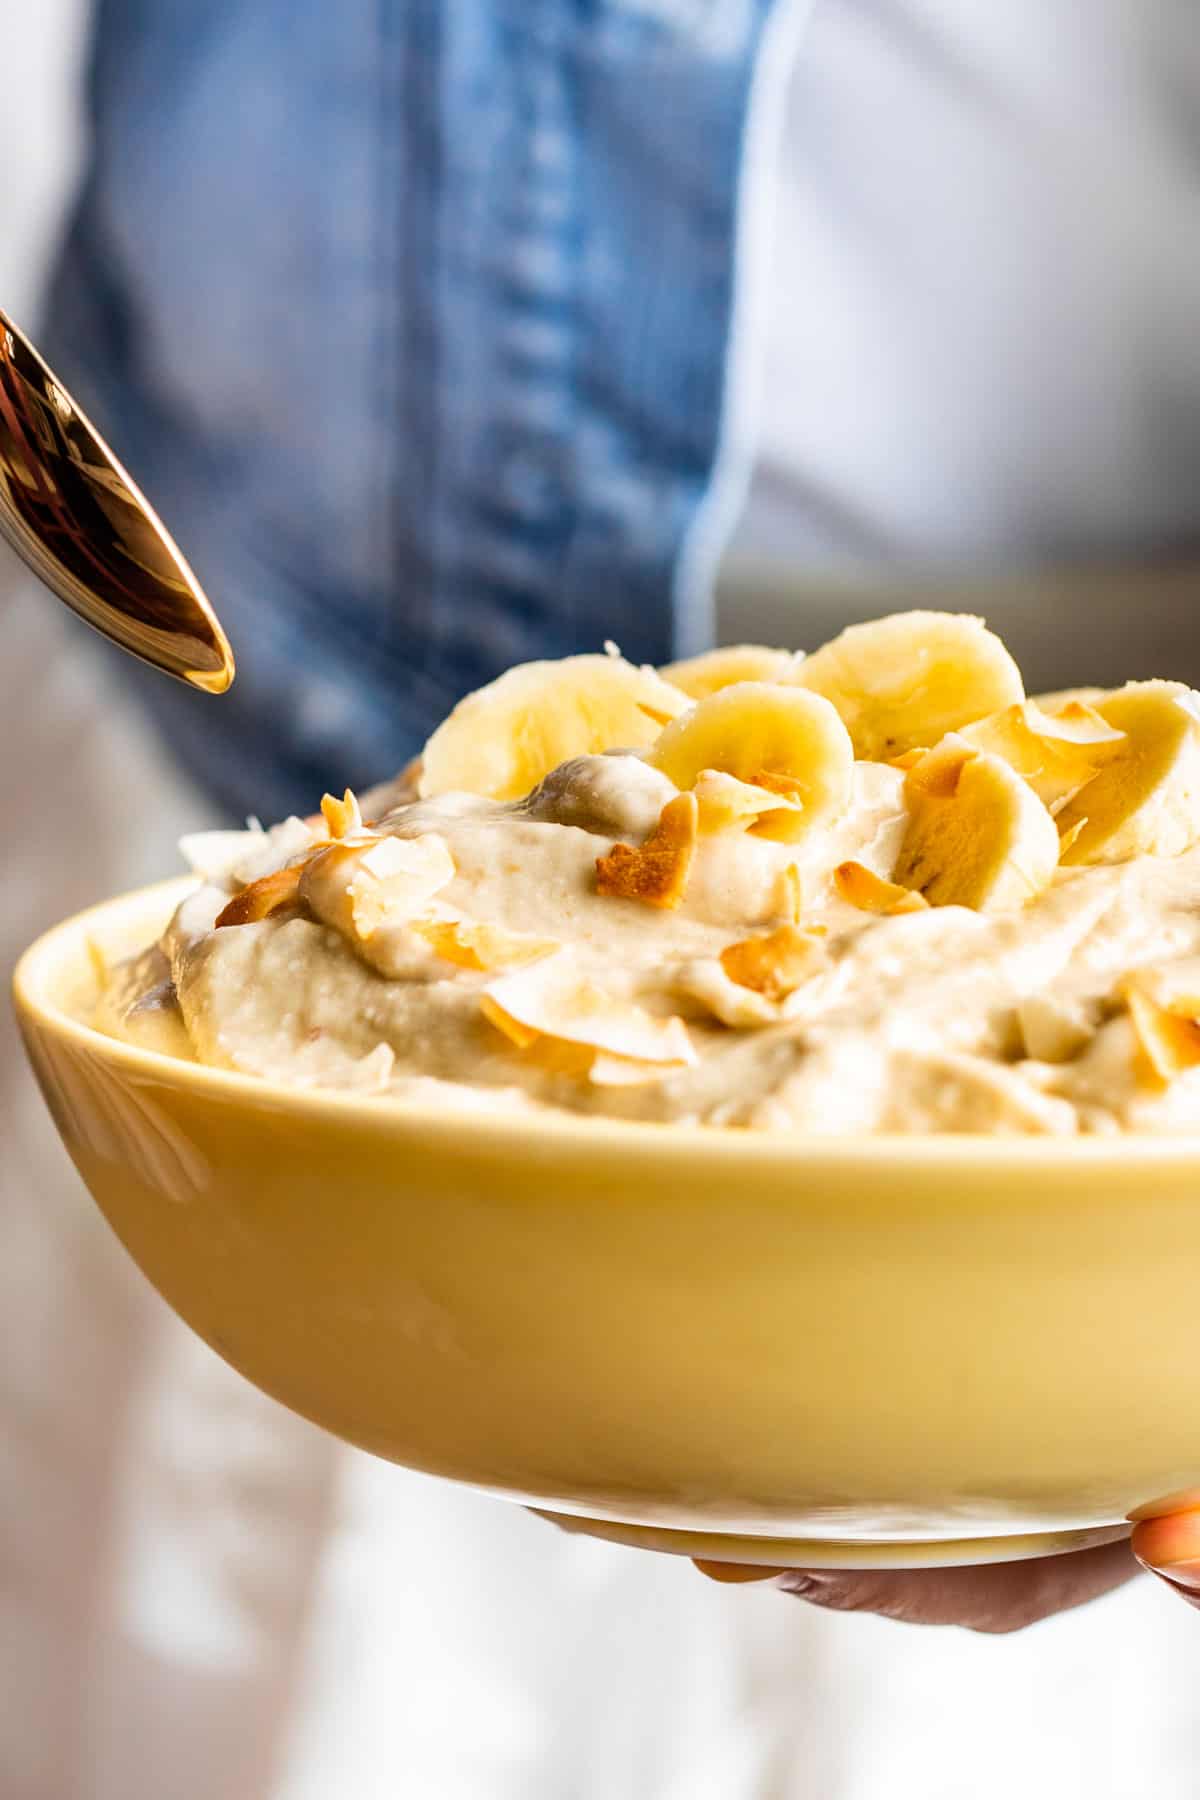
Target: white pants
<point>204,1598</point>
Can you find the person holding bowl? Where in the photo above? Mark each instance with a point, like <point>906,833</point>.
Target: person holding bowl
<point>453,335</point>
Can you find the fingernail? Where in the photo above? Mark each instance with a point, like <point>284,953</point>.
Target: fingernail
<point>734,1573</point>
<point>1170,1547</point>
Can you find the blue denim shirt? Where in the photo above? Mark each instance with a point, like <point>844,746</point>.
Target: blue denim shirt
<point>411,317</point>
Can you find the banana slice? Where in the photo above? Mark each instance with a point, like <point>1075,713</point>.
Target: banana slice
<point>1056,754</point>
<point>977,834</point>
<point>783,739</point>
<point>701,676</point>
<point>903,682</point>
<point>550,998</point>
<point>505,738</point>
<point>1146,802</point>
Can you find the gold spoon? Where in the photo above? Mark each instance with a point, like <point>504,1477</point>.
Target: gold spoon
<point>72,513</point>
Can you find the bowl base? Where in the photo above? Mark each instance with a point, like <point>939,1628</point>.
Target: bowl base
<point>838,1553</point>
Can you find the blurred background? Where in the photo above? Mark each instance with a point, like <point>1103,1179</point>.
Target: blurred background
<point>200,1596</point>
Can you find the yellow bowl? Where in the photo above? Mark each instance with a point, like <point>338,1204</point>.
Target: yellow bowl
<point>862,1353</point>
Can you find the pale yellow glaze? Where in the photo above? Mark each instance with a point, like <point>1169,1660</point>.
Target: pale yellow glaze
<point>889,1350</point>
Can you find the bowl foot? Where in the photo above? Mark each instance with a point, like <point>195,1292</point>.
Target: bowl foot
<point>838,1553</point>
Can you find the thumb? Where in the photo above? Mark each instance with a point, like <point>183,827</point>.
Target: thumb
<point>1170,1548</point>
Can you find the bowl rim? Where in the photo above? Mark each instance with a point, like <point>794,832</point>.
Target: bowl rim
<point>484,1131</point>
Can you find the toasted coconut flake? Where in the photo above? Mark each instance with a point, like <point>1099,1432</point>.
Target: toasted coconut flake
<point>341,816</point>
<point>784,824</point>
<point>790,890</point>
<point>1169,1041</point>
<point>1057,754</point>
<point>726,804</point>
<point>548,998</point>
<point>215,855</point>
<point>729,804</point>
<point>270,850</point>
<point>863,888</point>
<point>269,894</point>
<point>657,872</point>
<point>394,880</point>
<point>606,1070</point>
<point>470,944</point>
<point>704,980</point>
<point>1077,722</point>
<point>236,858</point>
<point>658,715</point>
<point>776,964</point>
<point>1064,697</point>
<point>521,1035</point>
<point>775,782</point>
<point>1174,986</point>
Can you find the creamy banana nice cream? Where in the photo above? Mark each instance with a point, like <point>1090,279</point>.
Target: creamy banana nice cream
<point>874,889</point>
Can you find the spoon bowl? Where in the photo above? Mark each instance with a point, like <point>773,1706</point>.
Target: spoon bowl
<point>76,517</point>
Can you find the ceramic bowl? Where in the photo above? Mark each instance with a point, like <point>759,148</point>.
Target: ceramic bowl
<point>855,1352</point>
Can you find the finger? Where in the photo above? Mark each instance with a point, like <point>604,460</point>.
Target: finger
<point>733,1573</point>
<point>1170,1548</point>
<point>998,1597</point>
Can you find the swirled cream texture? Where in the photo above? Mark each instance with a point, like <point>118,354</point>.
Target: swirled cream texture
<point>742,919</point>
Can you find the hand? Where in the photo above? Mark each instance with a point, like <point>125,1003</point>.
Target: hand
<point>999,1596</point>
